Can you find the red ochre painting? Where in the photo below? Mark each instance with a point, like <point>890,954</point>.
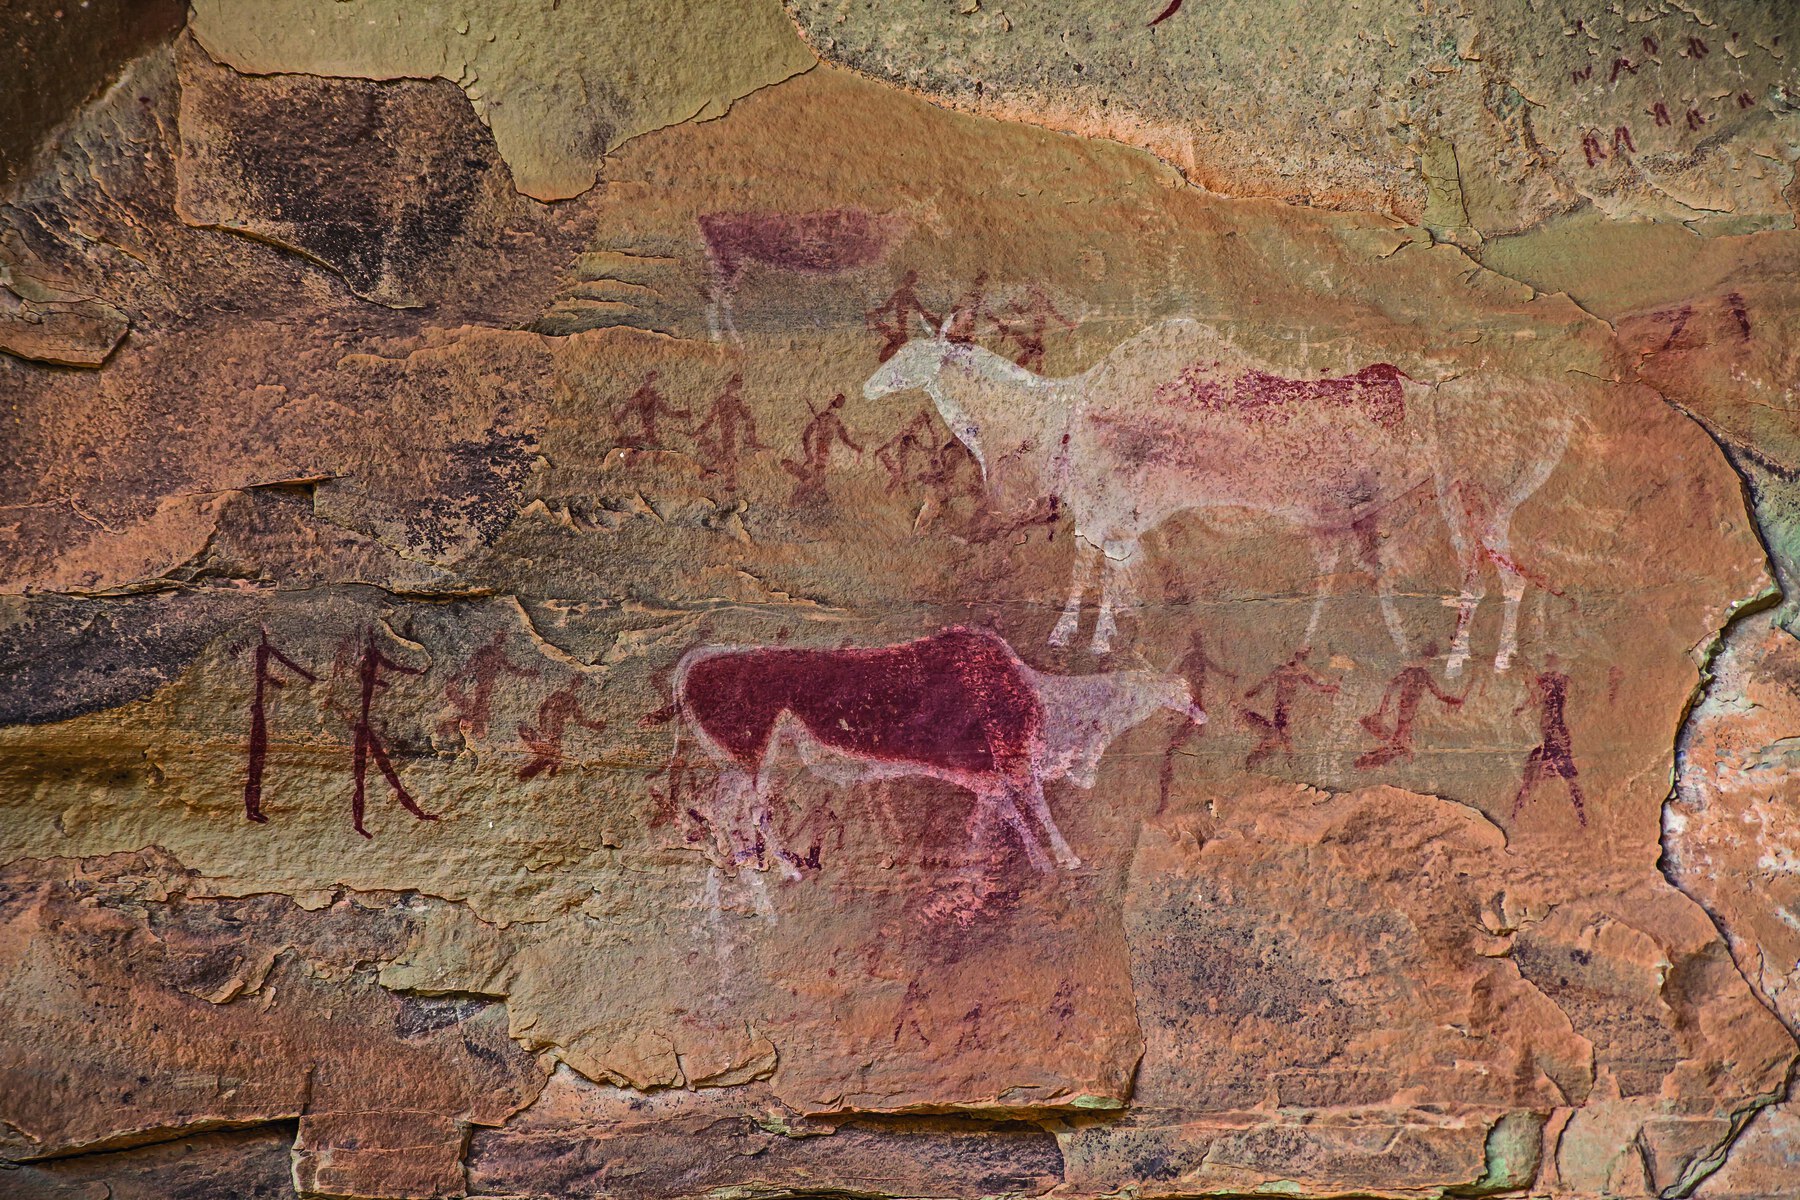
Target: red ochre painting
<point>787,599</point>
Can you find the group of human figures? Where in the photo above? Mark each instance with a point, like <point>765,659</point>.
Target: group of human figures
<point>1024,322</point>
<point>1392,721</point>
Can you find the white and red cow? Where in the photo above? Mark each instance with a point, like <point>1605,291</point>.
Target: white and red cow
<point>1178,417</point>
<point>957,706</point>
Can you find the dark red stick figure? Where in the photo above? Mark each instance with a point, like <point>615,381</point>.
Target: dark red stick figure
<point>1405,692</point>
<point>1554,755</point>
<point>259,723</point>
<point>545,739</point>
<point>892,319</point>
<point>823,432</point>
<point>368,742</point>
<point>732,427</point>
<point>646,406</point>
<point>474,707</point>
<point>1659,113</point>
<point>1273,731</point>
<point>1196,664</point>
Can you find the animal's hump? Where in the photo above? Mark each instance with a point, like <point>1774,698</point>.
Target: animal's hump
<point>1155,355</point>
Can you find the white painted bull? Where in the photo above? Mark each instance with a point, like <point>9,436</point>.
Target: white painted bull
<point>1177,418</point>
<point>957,706</point>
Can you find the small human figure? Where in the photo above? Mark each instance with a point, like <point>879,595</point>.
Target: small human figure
<point>821,434</point>
<point>1554,754</point>
<point>259,724</point>
<point>893,318</point>
<point>368,742</point>
<point>1405,692</point>
<point>1196,664</point>
<point>733,430</point>
<point>646,406</point>
<point>1027,323</point>
<point>474,706</point>
<point>1272,731</point>
<point>972,312</point>
<point>896,454</point>
<point>545,739</point>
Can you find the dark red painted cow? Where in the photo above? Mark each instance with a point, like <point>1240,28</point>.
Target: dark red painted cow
<point>958,706</point>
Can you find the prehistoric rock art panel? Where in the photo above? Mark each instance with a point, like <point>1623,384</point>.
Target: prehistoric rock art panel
<point>695,570</point>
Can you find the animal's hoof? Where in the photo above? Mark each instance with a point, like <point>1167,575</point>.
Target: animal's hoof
<point>1502,661</point>
<point>1069,862</point>
<point>1061,635</point>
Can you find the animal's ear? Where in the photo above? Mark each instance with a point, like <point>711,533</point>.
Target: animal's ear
<point>930,333</point>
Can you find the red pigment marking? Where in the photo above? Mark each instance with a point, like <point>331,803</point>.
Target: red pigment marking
<point>1739,311</point>
<point>259,723</point>
<point>1554,756</point>
<point>368,742</point>
<point>1174,7</point>
<point>815,243</point>
<point>954,701</point>
<point>1260,396</point>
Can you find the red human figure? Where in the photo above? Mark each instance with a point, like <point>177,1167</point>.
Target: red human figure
<point>1273,731</point>
<point>733,429</point>
<point>368,742</point>
<point>474,707</point>
<point>892,319</point>
<point>545,739</point>
<point>646,406</point>
<point>971,313</point>
<point>1405,692</point>
<point>1554,754</point>
<point>896,454</point>
<point>1196,664</point>
<point>822,433</point>
<point>259,724</point>
<point>1027,324</point>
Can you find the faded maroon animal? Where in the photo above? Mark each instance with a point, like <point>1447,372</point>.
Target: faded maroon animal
<point>815,243</point>
<point>957,706</point>
<point>1261,396</point>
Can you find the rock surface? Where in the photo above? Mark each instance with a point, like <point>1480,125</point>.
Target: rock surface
<point>598,602</point>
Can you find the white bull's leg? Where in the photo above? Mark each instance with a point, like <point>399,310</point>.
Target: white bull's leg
<point>1326,552</point>
<point>1384,591</point>
<point>1002,801</point>
<point>763,818</point>
<point>1087,563</point>
<point>1034,795</point>
<point>1116,592</point>
<point>1512,586</point>
<point>1468,556</point>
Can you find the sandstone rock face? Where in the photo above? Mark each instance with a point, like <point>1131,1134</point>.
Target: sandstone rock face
<point>609,600</point>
